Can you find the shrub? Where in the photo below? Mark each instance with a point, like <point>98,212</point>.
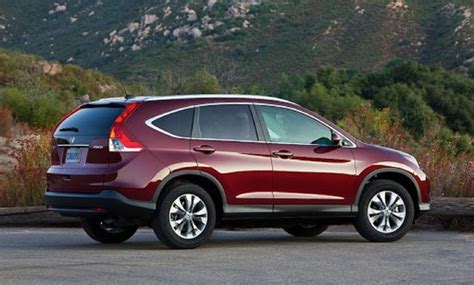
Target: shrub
<point>6,122</point>
<point>39,111</point>
<point>17,102</point>
<point>448,161</point>
<point>33,162</point>
<point>201,82</point>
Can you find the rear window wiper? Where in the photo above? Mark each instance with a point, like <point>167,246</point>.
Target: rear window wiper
<point>72,129</point>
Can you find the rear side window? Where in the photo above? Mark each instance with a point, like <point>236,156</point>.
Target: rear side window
<point>226,122</point>
<point>90,121</point>
<point>177,123</point>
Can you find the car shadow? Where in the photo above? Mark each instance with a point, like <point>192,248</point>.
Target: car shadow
<point>220,239</point>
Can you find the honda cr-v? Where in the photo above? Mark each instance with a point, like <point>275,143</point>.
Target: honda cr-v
<point>187,164</point>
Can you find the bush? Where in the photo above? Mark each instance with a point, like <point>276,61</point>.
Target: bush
<point>6,122</point>
<point>16,100</point>
<point>41,111</point>
<point>33,162</point>
<point>329,103</point>
<point>200,83</point>
<point>447,159</point>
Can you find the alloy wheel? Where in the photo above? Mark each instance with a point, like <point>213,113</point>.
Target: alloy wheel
<point>386,212</point>
<point>188,216</point>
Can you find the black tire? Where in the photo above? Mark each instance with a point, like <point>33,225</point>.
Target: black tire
<point>162,224</point>
<point>92,226</point>
<point>303,230</point>
<point>363,224</point>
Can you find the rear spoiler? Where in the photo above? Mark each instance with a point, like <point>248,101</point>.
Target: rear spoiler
<point>103,104</point>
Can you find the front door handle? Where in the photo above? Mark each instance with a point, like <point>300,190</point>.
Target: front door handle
<point>285,154</point>
<point>207,149</point>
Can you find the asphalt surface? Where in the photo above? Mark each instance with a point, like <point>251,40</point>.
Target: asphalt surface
<point>338,256</point>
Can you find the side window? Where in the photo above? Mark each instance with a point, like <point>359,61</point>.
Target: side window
<point>177,123</point>
<point>226,122</point>
<point>288,126</point>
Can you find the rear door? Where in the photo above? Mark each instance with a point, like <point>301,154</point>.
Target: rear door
<point>227,145</point>
<point>79,149</point>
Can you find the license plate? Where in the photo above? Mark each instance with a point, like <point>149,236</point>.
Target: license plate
<point>73,155</point>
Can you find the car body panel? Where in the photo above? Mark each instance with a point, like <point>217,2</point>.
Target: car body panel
<point>243,168</point>
<point>314,175</point>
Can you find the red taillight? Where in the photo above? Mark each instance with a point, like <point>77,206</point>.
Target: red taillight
<point>119,140</point>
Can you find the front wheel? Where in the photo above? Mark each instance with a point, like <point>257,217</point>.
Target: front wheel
<point>305,230</point>
<point>386,212</point>
<point>185,217</point>
<point>107,230</point>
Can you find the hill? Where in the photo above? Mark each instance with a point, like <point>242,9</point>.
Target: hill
<point>243,42</point>
<point>425,111</point>
<point>40,92</point>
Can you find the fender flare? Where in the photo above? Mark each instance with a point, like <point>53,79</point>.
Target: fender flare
<point>369,176</point>
<point>179,173</point>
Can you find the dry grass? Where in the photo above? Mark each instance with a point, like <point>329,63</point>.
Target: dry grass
<point>451,171</point>
<point>25,184</point>
<point>6,122</point>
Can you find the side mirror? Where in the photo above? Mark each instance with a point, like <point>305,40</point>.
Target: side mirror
<point>336,139</point>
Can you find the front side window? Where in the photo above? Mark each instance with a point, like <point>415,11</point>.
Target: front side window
<point>288,126</point>
<point>225,122</point>
<point>178,123</point>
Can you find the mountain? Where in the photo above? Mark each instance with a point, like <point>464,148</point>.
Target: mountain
<point>243,42</point>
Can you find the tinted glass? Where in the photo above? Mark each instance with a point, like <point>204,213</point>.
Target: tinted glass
<point>227,122</point>
<point>178,123</point>
<point>90,121</point>
<point>287,126</point>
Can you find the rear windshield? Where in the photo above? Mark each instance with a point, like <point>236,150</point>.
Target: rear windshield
<point>90,121</point>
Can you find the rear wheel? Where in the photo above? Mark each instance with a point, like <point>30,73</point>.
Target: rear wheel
<point>107,230</point>
<point>185,217</point>
<point>305,230</point>
<point>386,211</point>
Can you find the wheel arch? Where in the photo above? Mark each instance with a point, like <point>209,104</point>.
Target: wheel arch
<point>397,175</point>
<point>208,182</point>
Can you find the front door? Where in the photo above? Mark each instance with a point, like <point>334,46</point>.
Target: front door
<point>226,144</point>
<point>308,168</point>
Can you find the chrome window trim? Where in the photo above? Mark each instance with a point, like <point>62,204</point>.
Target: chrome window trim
<point>149,123</point>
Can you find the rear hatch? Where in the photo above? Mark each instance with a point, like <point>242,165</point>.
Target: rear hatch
<point>80,149</point>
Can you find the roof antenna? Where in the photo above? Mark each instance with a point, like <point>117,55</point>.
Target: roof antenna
<point>127,95</point>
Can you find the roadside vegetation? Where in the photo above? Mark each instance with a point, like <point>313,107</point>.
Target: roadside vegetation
<point>425,111</point>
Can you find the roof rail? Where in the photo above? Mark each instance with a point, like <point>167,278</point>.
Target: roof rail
<point>216,96</point>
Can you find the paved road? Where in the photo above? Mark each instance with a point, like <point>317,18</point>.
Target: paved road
<point>252,257</point>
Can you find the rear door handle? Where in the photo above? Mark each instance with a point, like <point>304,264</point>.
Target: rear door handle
<point>207,149</point>
<point>285,154</point>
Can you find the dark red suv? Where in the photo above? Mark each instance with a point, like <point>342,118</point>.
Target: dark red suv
<point>186,164</point>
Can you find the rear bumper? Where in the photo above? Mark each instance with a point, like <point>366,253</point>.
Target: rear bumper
<point>107,202</point>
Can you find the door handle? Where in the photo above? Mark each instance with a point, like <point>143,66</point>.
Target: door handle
<point>285,154</point>
<point>207,149</point>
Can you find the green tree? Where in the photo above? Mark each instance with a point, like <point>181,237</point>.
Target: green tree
<point>201,82</point>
